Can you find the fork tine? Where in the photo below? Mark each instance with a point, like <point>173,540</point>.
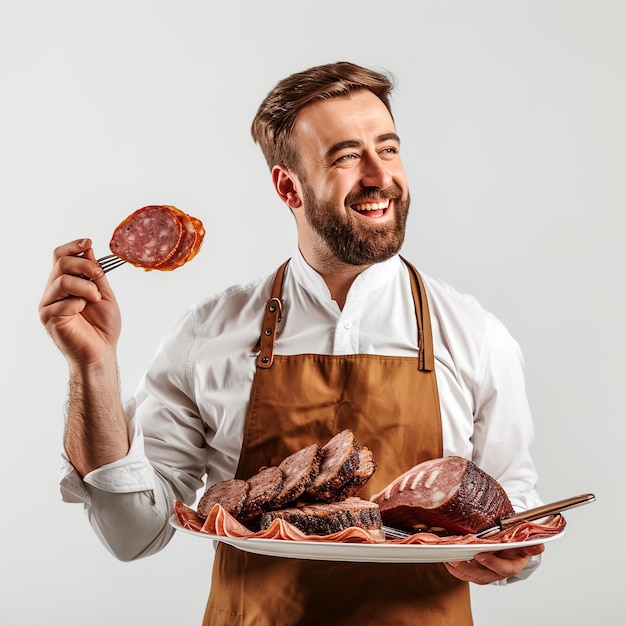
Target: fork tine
<point>110,262</point>
<point>395,533</point>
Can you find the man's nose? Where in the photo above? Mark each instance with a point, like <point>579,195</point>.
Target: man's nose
<point>375,172</point>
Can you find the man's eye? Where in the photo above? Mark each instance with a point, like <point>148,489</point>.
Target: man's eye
<point>391,150</point>
<point>345,158</point>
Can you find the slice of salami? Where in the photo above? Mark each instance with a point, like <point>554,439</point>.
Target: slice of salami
<point>199,227</point>
<point>189,244</point>
<point>158,237</point>
<point>148,237</point>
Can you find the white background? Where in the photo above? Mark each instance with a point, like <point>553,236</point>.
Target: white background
<point>512,118</point>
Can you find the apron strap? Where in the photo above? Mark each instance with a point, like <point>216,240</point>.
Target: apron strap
<point>274,313</point>
<point>424,331</point>
<point>271,319</point>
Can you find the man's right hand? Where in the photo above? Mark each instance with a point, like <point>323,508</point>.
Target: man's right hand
<point>78,307</point>
<point>81,314</point>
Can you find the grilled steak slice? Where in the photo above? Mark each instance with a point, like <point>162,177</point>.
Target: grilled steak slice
<point>231,494</point>
<point>452,493</point>
<point>367,466</point>
<point>340,460</point>
<point>264,486</point>
<point>322,518</point>
<point>299,470</point>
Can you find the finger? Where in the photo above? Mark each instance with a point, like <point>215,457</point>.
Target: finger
<point>511,554</point>
<point>73,248</point>
<point>76,258</point>
<point>507,563</point>
<point>59,310</point>
<point>89,267</point>
<point>488,567</point>
<point>469,571</point>
<point>533,550</point>
<point>62,290</point>
<point>79,266</point>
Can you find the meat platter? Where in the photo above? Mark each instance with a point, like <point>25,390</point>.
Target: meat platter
<point>307,507</point>
<point>387,552</point>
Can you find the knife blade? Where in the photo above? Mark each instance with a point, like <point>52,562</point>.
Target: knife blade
<point>541,511</point>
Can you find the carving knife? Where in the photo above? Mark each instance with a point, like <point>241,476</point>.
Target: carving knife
<point>533,514</point>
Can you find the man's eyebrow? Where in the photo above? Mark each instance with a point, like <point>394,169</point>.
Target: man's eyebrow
<point>353,143</point>
<point>342,145</point>
<point>388,137</point>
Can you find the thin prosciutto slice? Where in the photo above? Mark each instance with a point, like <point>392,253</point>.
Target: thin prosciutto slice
<point>222,524</point>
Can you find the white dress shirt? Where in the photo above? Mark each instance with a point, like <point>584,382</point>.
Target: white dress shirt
<point>186,418</point>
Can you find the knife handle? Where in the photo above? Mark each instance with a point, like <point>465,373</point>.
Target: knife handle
<point>546,509</point>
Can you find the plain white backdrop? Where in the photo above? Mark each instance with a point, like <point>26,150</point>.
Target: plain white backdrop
<point>512,118</point>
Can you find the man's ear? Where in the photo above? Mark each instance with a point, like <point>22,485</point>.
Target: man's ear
<point>286,186</point>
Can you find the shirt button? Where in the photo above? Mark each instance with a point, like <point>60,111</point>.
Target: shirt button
<point>347,324</point>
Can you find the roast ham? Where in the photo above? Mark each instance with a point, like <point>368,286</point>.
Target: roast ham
<point>449,493</point>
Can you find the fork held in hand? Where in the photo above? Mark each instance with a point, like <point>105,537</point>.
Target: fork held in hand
<point>110,262</point>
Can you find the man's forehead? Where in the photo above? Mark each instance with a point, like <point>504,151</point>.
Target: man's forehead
<point>357,117</point>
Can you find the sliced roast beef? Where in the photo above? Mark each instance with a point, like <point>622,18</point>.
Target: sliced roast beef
<point>231,494</point>
<point>264,486</point>
<point>340,460</point>
<point>299,470</point>
<point>325,518</point>
<point>451,493</point>
<point>367,467</point>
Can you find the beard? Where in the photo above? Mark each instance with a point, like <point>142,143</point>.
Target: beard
<point>349,239</point>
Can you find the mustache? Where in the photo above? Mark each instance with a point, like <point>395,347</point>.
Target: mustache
<point>375,193</point>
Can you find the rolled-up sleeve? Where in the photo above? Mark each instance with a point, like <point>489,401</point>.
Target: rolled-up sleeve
<point>129,502</point>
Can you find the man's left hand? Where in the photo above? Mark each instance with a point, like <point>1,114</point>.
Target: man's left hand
<point>488,567</point>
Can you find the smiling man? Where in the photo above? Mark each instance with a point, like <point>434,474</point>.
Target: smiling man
<point>348,190</point>
<point>364,341</point>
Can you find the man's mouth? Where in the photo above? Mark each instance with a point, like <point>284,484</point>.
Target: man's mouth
<point>371,209</point>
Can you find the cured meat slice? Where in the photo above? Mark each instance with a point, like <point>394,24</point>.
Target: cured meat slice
<point>190,242</point>
<point>230,494</point>
<point>299,470</point>
<point>200,232</point>
<point>159,237</point>
<point>327,518</point>
<point>221,523</point>
<point>147,237</point>
<point>450,493</point>
<point>340,460</point>
<point>263,487</point>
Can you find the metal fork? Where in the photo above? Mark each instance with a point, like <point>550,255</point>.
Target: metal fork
<point>110,262</point>
<point>395,533</point>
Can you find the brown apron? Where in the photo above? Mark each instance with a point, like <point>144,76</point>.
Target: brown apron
<point>392,406</point>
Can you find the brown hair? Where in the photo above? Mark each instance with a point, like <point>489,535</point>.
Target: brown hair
<point>275,118</point>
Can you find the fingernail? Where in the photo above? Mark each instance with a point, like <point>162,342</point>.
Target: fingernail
<point>82,243</point>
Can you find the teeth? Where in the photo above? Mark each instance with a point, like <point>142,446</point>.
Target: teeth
<point>371,206</point>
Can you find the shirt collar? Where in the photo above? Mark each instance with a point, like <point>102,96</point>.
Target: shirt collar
<point>367,281</point>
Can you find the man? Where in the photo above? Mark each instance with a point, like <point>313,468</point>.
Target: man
<point>363,341</point>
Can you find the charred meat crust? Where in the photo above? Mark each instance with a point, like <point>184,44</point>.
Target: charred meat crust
<point>230,494</point>
<point>340,461</point>
<point>331,475</point>
<point>367,467</point>
<point>299,470</point>
<point>325,518</point>
<point>264,486</point>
